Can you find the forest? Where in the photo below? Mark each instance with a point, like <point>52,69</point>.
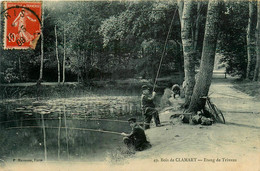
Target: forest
<point>102,40</point>
<point>108,40</point>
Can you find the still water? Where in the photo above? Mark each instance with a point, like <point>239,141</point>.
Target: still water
<point>84,128</point>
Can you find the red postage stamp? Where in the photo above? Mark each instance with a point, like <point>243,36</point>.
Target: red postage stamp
<point>22,24</point>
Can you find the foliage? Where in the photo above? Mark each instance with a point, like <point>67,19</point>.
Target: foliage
<point>250,88</point>
<point>232,42</point>
<point>115,38</point>
<point>142,31</point>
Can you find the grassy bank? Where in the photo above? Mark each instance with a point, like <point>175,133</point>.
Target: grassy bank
<point>250,88</point>
<point>55,90</point>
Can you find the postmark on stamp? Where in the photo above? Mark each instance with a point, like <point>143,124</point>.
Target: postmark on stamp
<point>22,24</point>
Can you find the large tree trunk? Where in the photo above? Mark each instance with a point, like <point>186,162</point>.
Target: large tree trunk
<point>57,55</point>
<point>188,49</point>
<point>208,57</point>
<point>257,68</point>
<point>251,39</point>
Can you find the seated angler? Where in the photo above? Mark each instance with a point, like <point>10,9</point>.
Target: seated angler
<point>136,139</point>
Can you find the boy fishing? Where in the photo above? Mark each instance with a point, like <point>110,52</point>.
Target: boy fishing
<point>136,139</point>
<point>148,107</point>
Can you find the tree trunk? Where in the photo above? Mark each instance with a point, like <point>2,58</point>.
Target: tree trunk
<point>146,70</point>
<point>64,57</point>
<point>20,68</point>
<point>208,57</point>
<point>1,41</point>
<point>79,69</point>
<point>41,67</point>
<point>57,55</point>
<point>180,8</point>
<point>188,49</point>
<point>257,68</point>
<point>119,52</point>
<point>180,65</point>
<point>197,23</point>
<point>250,40</point>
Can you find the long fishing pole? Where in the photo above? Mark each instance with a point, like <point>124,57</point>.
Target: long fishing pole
<point>72,128</point>
<point>88,119</point>
<point>164,49</point>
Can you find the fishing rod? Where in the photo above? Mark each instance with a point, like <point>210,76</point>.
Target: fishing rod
<point>71,128</point>
<point>88,119</point>
<point>164,49</point>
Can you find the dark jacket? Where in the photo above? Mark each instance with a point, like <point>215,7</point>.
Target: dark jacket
<point>147,102</point>
<point>138,137</point>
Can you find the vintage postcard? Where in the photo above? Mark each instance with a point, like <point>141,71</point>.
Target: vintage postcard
<point>129,85</point>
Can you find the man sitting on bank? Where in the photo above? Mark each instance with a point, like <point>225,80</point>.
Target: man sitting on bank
<point>136,139</point>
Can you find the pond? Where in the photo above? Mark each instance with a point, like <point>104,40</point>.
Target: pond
<point>82,128</point>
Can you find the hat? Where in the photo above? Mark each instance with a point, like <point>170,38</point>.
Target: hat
<point>175,87</point>
<point>145,87</point>
<point>132,120</point>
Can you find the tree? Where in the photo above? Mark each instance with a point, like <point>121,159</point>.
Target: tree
<point>42,40</point>
<point>257,67</point>
<point>180,8</point>
<point>203,81</point>
<point>1,25</point>
<point>251,39</point>
<point>57,55</point>
<point>64,56</point>
<point>232,42</point>
<point>188,48</point>
<point>199,29</point>
<point>141,30</point>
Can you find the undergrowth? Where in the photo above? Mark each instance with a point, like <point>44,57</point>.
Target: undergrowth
<point>251,88</point>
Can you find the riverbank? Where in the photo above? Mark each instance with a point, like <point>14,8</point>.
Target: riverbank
<point>235,143</point>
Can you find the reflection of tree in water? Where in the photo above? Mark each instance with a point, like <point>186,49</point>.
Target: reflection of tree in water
<point>85,113</point>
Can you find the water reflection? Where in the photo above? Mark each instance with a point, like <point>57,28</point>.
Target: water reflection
<point>22,126</point>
